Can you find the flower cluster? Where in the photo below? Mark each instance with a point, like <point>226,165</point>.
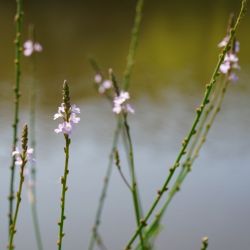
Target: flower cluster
<point>103,85</point>
<point>231,60</point>
<point>67,125</point>
<point>18,156</point>
<point>121,104</point>
<point>30,47</point>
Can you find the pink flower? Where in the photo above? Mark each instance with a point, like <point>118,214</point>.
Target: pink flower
<point>30,47</point>
<point>29,156</point>
<point>66,127</point>
<point>224,42</point>
<point>231,59</point>
<point>120,103</point>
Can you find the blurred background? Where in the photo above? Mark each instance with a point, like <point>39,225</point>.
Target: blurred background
<point>176,56</point>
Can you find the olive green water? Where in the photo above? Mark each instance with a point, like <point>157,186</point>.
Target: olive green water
<point>176,56</point>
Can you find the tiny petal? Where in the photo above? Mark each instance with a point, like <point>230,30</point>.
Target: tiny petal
<point>224,68</point>
<point>224,42</point>
<point>28,51</point>
<point>73,118</point>
<point>124,95</point>
<point>233,77</point>
<point>75,109</point>
<point>18,161</point>
<point>117,109</point>
<point>59,129</point>
<point>107,84</point>
<point>237,47</point>
<point>28,44</point>
<point>98,78</point>
<point>101,89</point>
<point>57,115</point>
<point>16,152</point>
<point>67,128</point>
<point>61,109</point>
<point>231,58</point>
<point>130,109</point>
<point>38,47</point>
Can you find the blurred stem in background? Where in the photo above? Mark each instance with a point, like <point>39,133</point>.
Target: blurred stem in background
<point>33,107</point>
<point>126,79</point>
<point>18,51</point>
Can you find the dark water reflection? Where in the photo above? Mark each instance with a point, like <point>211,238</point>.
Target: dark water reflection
<point>171,69</point>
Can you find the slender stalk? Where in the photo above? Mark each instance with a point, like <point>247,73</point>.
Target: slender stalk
<point>118,165</point>
<point>105,187</point>
<point>18,50</point>
<point>35,219</point>
<point>126,80</point>
<point>23,157</point>
<point>193,151</point>
<point>66,118</point>
<point>135,192</point>
<point>192,131</point>
<point>133,45</point>
<point>32,187</point>
<point>63,193</point>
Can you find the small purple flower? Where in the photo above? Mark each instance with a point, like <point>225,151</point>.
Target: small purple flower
<point>231,59</point>
<point>18,158</point>
<point>103,85</point>
<point>224,42</point>
<point>120,103</point>
<point>107,84</point>
<point>66,127</point>
<point>30,47</point>
<point>98,78</point>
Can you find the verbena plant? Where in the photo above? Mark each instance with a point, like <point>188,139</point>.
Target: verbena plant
<point>118,96</point>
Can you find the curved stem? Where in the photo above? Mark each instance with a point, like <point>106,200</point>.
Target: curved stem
<point>18,49</point>
<point>192,131</point>
<point>186,166</point>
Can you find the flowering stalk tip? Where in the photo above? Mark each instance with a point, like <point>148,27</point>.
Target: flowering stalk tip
<point>67,112</point>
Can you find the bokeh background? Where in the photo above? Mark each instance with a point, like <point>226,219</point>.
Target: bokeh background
<point>175,58</point>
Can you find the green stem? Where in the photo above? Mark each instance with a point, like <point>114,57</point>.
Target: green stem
<point>186,166</point>
<point>18,50</point>
<point>19,192</point>
<point>105,187</point>
<point>192,131</point>
<point>23,156</point>
<point>134,185</point>
<point>36,221</point>
<point>133,44</point>
<point>33,99</point>
<point>63,194</point>
<point>126,80</point>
